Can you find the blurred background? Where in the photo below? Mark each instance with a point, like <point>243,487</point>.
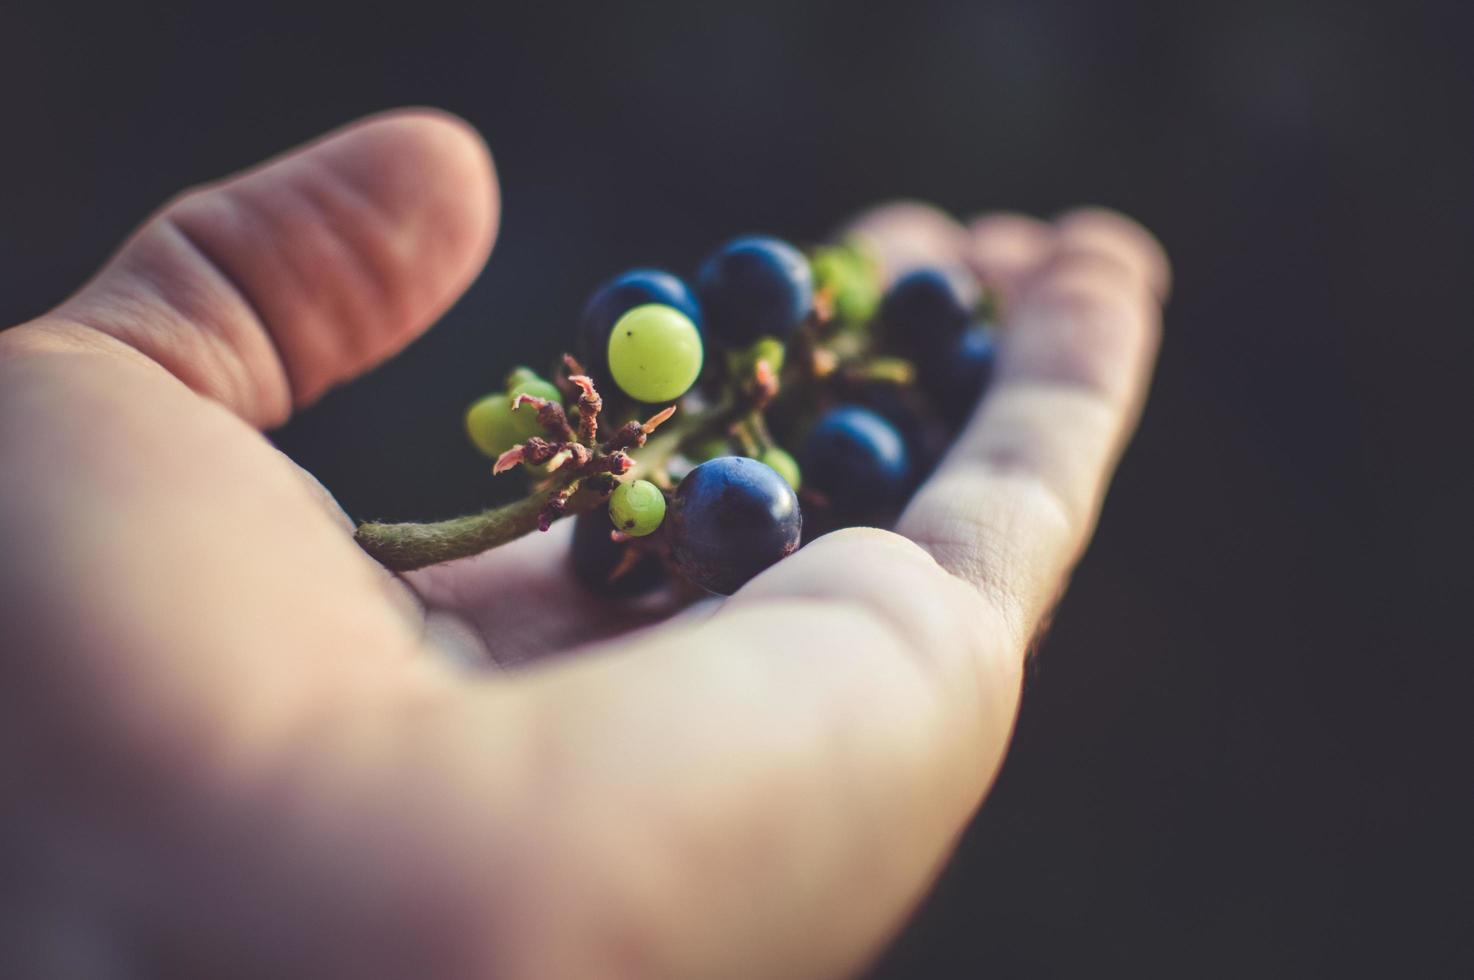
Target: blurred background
<point>1242,749</point>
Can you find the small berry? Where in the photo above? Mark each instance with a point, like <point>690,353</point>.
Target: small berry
<point>637,508</point>
<point>730,518</point>
<point>850,278</point>
<point>494,427</point>
<point>709,449</point>
<point>654,353</point>
<point>637,287</point>
<point>754,287</point>
<point>783,464</point>
<point>596,557</point>
<point>957,381</point>
<point>906,235</point>
<point>767,350</point>
<point>858,460</point>
<point>523,381</point>
<point>927,308</point>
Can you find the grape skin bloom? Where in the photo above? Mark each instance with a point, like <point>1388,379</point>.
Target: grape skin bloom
<point>730,518</point>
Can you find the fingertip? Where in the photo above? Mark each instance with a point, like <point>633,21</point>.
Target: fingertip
<point>1124,238</point>
<point>907,234</point>
<point>1005,247</point>
<point>1085,319</point>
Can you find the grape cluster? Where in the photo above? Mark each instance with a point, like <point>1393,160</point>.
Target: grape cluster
<point>769,350</point>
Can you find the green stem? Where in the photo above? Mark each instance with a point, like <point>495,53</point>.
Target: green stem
<point>406,547</point>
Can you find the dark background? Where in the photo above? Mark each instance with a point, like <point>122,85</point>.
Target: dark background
<point>1241,753</point>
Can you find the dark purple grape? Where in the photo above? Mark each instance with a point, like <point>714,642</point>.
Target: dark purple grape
<point>956,381</point>
<point>595,557</point>
<point>754,287</point>
<point>915,417</point>
<point>926,309</point>
<point>859,461</point>
<point>730,518</point>
<point>617,297</point>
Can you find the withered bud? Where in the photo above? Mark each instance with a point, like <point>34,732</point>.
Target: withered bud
<point>550,416</point>
<point>602,483</point>
<point>539,450</point>
<point>631,435</point>
<point>589,407</point>
<point>560,378</point>
<point>617,463</point>
<point>579,454</point>
<point>556,504</point>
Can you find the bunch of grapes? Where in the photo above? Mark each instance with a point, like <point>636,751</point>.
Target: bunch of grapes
<point>702,433</point>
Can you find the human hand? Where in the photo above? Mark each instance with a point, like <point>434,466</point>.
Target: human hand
<point>235,746</point>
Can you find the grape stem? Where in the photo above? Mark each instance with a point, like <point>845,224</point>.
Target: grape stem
<point>408,546</point>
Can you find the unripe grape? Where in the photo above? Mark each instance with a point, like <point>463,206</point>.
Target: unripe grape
<point>851,279</point>
<point>768,349</point>
<point>493,426</point>
<point>783,464</point>
<point>906,235</point>
<point>709,449</point>
<point>654,353</point>
<point>637,508</point>
<point>618,296</point>
<point>523,381</point>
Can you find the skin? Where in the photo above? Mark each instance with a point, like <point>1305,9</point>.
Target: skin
<point>239,748</point>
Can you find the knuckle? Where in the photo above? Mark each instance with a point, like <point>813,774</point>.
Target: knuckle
<point>1105,230</point>
<point>982,548</point>
<point>1006,245</point>
<point>1087,279</point>
<point>898,584</point>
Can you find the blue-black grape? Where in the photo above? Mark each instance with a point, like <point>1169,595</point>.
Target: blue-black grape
<point>596,556</point>
<point>754,287</point>
<point>956,381</point>
<point>926,309</point>
<point>730,518</point>
<point>617,297</point>
<point>859,461</point>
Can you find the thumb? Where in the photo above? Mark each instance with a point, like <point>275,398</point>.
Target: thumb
<point>266,289</point>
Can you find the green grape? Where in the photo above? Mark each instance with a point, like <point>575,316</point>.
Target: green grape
<point>525,382</point>
<point>785,465</point>
<point>744,362</point>
<point>850,278</point>
<point>637,508</point>
<point>654,353</point>
<point>493,426</point>
<point>709,449</point>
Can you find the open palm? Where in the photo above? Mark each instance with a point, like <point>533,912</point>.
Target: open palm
<point>238,746</point>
